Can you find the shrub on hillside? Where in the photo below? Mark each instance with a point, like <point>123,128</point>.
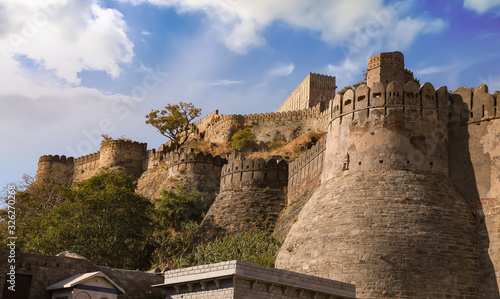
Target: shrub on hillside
<point>243,140</point>
<point>257,247</point>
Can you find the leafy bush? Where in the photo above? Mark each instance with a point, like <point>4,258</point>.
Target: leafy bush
<point>101,218</point>
<point>175,207</point>
<point>274,144</point>
<point>176,218</point>
<point>257,247</point>
<point>243,140</point>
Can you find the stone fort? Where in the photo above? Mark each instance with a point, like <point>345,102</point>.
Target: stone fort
<point>400,198</point>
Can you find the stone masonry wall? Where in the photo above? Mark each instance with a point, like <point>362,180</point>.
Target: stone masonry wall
<point>474,168</point>
<point>198,172</point>
<point>251,197</point>
<point>47,270</point>
<point>393,233</point>
<point>305,172</point>
<point>393,127</point>
<point>315,88</point>
<point>86,166</point>
<point>268,126</point>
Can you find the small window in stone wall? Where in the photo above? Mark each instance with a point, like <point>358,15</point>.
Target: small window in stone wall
<point>345,163</point>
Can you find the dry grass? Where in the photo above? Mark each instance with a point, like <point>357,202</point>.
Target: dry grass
<point>291,150</point>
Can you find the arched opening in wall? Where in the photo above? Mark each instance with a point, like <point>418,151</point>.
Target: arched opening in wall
<point>483,111</point>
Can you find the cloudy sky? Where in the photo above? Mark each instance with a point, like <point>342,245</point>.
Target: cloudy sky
<point>71,70</point>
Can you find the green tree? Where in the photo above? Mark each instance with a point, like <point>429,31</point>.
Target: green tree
<point>243,140</point>
<point>102,219</point>
<point>176,217</point>
<point>174,122</point>
<point>257,247</point>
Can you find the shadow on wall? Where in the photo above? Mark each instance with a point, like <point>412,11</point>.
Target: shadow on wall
<point>465,180</point>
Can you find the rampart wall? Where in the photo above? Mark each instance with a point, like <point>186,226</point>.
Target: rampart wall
<point>123,155</point>
<point>249,172</point>
<point>196,171</point>
<point>251,197</point>
<point>393,127</point>
<point>315,88</point>
<point>304,173</point>
<point>202,123</point>
<point>268,126</point>
<point>474,167</point>
<point>55,169</point>
<point>86,166</point>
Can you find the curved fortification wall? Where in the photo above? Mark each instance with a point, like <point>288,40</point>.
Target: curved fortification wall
<point>386,216</point>
<point>55,169</point>
<point>394,234</point>
<point>397,127</point>
<point>251,197</point>
<point>268,126</point>
<point>199,172</point>
<point>474,167</point>
<point>123,155</point>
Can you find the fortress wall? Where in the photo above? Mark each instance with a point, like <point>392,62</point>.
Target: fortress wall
<point>198,172</point>
<point>268,126</point>
<point>393,233</point>
<point>123,155</point>
<point>86,166</point>
<point>305,172</point>
<point>251,197</point>
<point>315,88</point>
<point>55,169</point>
<point>254,173</point>
<point>202,123</point>
<point>393,127</point>
<point>474,167</point>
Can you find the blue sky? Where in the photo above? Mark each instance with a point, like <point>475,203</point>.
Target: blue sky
<point>71,70</point>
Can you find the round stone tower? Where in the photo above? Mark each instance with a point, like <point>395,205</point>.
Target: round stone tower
<point>251,197</point>
<point>123,155</point>
<point>55,169</point>
<point>386,216</point>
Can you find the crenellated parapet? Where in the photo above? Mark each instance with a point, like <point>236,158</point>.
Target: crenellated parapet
<point>250,172</point>
<point>202,123</point>
<point>391,126</point>
<point>56,159</point>
<point>304,173</point>
<point>411,101</point>
<point>55,169</point>
<point>222,127</point>
<point>124,155</point>
<point>472,106</point>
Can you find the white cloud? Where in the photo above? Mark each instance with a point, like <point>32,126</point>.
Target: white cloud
<point>241,23</point>
<point>66,36</point>
<point>481,6</point>
<point>145,32</point>
<point>407,30</point>
<point>282,70</point>
<point>347,72</point>
<point>223,82</point>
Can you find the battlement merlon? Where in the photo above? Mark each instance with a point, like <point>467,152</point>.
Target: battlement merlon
<point>250,171</point>
<point>56,159</point>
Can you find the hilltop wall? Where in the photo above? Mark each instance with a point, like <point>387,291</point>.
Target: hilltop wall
<point>55,169</point>
<point>315,88</point>
<point>393,127</point>
<point>251,197</point>
<point>197,172</point>
<point>268,126</point>
<point>474,167</point>
<point>305,172</point>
